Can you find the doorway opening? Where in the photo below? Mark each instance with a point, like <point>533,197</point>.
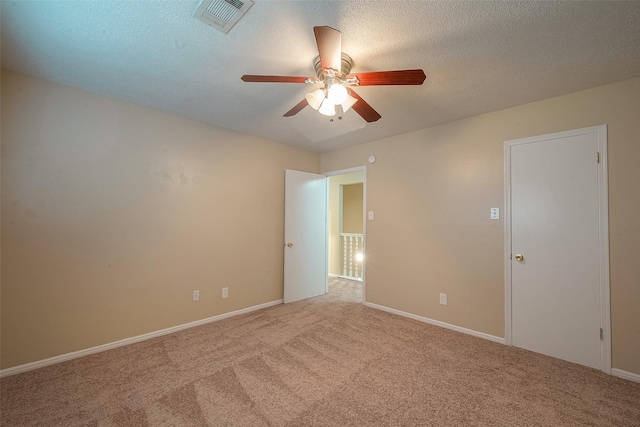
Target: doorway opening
<point>346,225</point>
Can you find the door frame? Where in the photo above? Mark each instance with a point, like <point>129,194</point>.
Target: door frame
<point>603,234</point>
<point>362,169</point>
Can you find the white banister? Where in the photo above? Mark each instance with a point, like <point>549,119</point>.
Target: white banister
<point>352,255</point>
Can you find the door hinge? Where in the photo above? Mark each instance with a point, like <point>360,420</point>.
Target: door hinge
<point>601,334</point>
<point>597,157</point>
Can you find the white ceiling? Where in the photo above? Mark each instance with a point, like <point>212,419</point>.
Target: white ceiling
<point>478,57</point>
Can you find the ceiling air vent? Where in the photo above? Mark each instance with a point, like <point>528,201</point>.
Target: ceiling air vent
<point>222,14</point>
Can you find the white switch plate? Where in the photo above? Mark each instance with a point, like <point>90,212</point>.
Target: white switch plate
<point>370,215</point>
<point>196,295</point>
<point>443,299</point>
<point>495,213</point>
<point>225,292</point>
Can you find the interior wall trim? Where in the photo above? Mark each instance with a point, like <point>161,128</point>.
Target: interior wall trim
<point>104,347</point>
<point>422,319</point>
<point>614,371</point>
<point>625,375</point>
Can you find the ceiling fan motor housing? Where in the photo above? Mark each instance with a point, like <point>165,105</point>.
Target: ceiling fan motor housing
<point>346,64</point>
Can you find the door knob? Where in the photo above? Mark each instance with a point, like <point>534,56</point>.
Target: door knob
<point>519,257</point>
<point>289,244</point>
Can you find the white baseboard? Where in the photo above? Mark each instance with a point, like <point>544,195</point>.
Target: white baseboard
<point>104,347</point>
<point>615,372</point>
<point>625,375</point>
<point>438,323</point>
<point>333,275</point>
<point>354,279</point>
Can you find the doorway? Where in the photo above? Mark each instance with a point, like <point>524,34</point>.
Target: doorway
<point>346,190</point>
<point>556,246</point>
<point>312,205</point>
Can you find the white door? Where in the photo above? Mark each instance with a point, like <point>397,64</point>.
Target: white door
<point>556,246</point>
<point>305,235</point>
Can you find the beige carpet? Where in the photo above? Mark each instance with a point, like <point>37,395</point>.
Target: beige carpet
<point>326,361</point>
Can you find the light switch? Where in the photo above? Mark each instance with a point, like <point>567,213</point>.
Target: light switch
<point>370,215</point>
<point>495,213</point>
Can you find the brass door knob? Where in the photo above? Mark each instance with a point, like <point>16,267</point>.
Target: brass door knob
<point>289,244</point>
<point>519,257</point>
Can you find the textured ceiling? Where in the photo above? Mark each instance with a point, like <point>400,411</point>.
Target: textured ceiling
<point>478,57</point>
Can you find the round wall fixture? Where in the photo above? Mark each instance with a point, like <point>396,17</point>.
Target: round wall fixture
<point>372,159</point>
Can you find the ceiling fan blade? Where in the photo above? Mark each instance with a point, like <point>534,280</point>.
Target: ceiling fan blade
<point>329,43</point>
<point>381,78</point>
<point>365,110</point>
<point>251,78</point>
<point>295,110</point>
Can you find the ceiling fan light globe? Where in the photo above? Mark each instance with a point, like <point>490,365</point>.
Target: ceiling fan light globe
<point>348,103</point>
<point>327,108</point>
<point>337,94</point>
<point>315,98</point>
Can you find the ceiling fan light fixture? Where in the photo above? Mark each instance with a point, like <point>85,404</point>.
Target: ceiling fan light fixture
<point>333,68</point>
<point>348,103</point>
<point>315,98</point>
<point>327,108</point>
<point>336,93</point>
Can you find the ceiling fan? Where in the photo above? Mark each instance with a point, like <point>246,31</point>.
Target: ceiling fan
<point>332,68</point>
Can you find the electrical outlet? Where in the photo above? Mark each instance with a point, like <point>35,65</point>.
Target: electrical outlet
<point>225,292</point>
<point>443,299</point>
<point>196,295</point>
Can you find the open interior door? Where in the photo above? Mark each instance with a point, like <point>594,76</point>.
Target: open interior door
<point>305,235</point>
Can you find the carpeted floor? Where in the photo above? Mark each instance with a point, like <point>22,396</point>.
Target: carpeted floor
<point>326,361</point>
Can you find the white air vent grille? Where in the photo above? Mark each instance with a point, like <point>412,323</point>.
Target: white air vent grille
<point>224,10</point>
<point>221,14</point>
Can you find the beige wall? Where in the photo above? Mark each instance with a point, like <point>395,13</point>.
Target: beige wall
<point>335,181</point>
<point>352,208</point>
<point>112,214</point>
<point>431,192</point>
